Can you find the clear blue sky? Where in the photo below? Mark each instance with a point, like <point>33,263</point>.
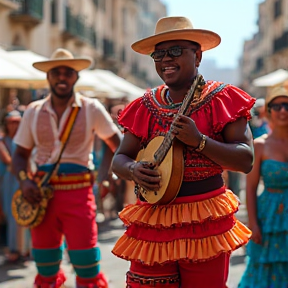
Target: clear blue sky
<point>234,20</point>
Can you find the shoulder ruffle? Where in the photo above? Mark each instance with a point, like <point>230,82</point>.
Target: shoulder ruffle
<point>131,118</point>
<point>228,105</point>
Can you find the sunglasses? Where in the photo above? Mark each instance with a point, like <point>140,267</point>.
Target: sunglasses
<point>278,106</point>
<point>172,52</point>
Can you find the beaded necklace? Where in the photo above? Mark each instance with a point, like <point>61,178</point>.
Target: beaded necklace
<point>166,98</point>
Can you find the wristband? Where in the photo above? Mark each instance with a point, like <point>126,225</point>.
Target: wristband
<point>202,143</point>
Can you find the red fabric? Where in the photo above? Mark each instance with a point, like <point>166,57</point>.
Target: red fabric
<point>229,105</point>
<point>71,212</point>
<point>226,106</point>
<point>99,281</point>
<point>209,274</point>
<point>194,231</point>
<point>50,282</point>
<point>219,104</point>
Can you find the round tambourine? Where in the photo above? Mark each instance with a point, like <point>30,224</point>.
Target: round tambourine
<point>27,214</point>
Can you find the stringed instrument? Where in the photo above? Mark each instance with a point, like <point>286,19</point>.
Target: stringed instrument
<point>166,154</point>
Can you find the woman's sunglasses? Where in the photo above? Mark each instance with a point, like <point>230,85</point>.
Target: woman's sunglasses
<point>278,106</point>
<point>176,51</point>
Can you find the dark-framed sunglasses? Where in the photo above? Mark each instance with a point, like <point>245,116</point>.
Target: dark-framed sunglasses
<point>173,52</point>
<point>278,106</point>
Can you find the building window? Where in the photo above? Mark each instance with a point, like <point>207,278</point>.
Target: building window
<point>53,11</point>
<point>277,8</point>
<point>259,64</point>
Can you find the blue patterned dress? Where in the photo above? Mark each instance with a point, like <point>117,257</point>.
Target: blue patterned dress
<point>267,265</point>
<point>8,185</point>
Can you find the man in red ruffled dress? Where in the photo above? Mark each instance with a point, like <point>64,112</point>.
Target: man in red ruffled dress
<point>187,241</point>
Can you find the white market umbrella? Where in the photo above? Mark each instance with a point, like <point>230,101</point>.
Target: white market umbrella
<point>118,83</point>
<point>91,86</point>
<point>271,79</point>
<point>17,72</point>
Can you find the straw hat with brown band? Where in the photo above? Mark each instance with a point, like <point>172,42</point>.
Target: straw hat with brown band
<point>277,91</point>
<point>63,57</point>
<point>176,28</point>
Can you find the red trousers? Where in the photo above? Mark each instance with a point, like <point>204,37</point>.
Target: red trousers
<point>71,213</point>
<point>208,274</point>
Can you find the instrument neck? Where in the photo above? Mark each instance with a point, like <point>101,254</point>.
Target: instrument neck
<point>169,137</point>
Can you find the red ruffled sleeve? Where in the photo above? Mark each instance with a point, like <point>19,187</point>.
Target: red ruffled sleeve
<point>228,105</point>
<point>135,118</point>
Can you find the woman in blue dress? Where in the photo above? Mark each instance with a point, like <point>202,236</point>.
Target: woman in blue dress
<point>9,183</point>
<point>267,261</point>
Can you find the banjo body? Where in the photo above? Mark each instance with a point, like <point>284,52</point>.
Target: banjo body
<point>171,170</point>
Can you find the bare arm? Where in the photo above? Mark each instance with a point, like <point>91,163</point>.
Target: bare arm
<point>236,153</point>
<point>114,141</point>
<point>20,162</point>
<point>125,155</point>
<point>125,167</point>
<point>252,182</point>
<point>4,154</point>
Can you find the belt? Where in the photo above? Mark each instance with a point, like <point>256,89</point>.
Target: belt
<point>152,280</point>
<point>64,178</point>
<point>67,178</point>
<point>71,186</point>
<point>68,181</point>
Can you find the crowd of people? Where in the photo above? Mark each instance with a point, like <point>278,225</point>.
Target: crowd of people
<point>173,143</point>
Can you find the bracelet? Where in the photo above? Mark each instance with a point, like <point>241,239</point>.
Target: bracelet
<point>202,143</point>
<point>22,175</point>
<point>131,169</point>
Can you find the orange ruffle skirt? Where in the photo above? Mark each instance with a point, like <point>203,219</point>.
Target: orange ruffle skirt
<point>193,228</point>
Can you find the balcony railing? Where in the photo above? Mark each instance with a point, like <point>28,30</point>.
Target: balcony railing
<point>30,12</point>
<point>75,27</point>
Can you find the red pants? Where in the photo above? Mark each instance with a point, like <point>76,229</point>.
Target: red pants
<point>70,213</point>
<point>208,274</point>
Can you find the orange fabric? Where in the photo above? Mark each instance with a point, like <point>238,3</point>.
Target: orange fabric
<point>166,215</point>
<point>173,216</point>
<point>195,250</point>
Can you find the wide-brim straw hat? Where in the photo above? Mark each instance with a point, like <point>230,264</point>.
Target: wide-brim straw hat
<point>63,57</point>
<point>277,91</point>
<point>176,28</point>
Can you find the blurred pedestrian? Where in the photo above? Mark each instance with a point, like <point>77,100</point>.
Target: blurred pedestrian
<point>267,250</point>
<point>259,124</point>
<point>182,236</point>
<point>71,211</point>
<point>9,184</point>
<point>13,100</point>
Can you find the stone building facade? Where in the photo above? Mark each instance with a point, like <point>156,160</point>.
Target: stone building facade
<point>101,29</point>
<point>267,51</point>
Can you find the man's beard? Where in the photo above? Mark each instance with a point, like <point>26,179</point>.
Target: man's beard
<point>61,96</point>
